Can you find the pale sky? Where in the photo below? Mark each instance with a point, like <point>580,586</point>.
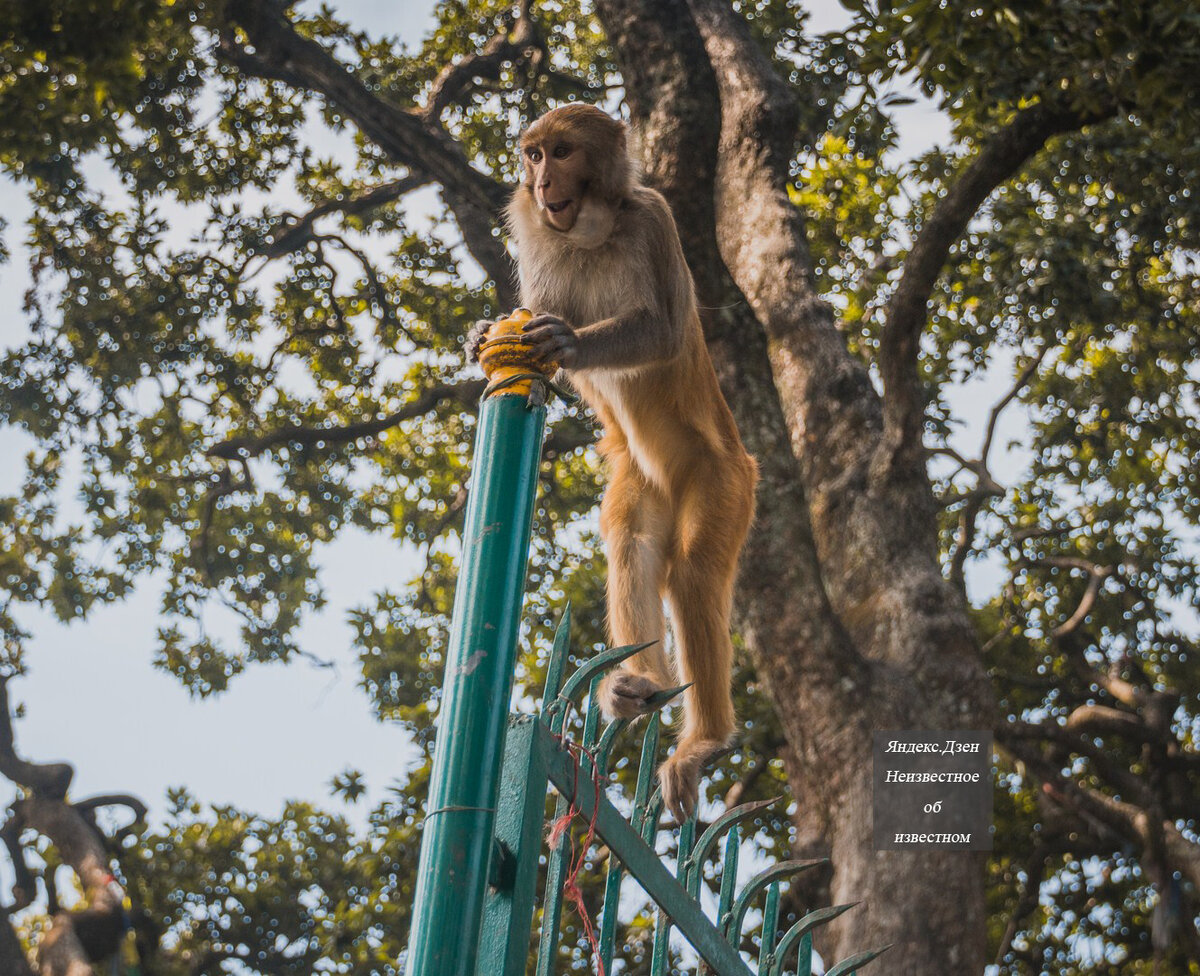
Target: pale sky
<point>92,697</point>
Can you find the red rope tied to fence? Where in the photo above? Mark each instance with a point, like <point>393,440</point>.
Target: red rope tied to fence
<point>571,889</point>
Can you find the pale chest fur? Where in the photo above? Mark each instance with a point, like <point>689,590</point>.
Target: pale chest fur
<point>582,286</point>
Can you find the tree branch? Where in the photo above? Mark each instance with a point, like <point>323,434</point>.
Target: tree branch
<point>46,780</point>
<point>223,485</point>
<point>375,286</point>
<point>1014,391</point>
<point>127,800</point>
<point>514,41</point>
<point>1126,820</point>
<point>761,232</point>
<point>1035,870</point>
<point>1001,157</point>
<point>24,884</point>
<point>968,519</point>
<point>737,793</point>
<point>279,53</point>
<point>1069,740</point>
<point>250,446</point>
<point>282,54</point>
<point>1086,602</point>
<point>986,486</point>
<point>563,438</point>
<point>298,231</point>
<point>1067,634</point>
<point>1096,719</point>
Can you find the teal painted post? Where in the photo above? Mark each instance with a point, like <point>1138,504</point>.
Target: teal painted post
<point>508,907</point>
<point>460,813</point>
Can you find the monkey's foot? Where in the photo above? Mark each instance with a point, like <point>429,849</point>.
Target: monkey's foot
<point>624,694</point>
<point>680,775</point>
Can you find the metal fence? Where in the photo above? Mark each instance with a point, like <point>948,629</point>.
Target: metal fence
<point>485,828</point>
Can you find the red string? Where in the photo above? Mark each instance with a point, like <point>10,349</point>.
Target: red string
<point>571,889</point>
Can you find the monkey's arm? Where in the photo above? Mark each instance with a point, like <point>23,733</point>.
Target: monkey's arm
<point>634,338</point>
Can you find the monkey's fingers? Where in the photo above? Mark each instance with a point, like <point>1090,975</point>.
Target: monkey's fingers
<point>551,348</point>
<point>544,319</point>
<point>558,349</point>
<point>475,337</point>
<point>547,333</point>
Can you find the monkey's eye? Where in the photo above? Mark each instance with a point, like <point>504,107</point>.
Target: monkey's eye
<point>562,152</point>
<point>535,155</point>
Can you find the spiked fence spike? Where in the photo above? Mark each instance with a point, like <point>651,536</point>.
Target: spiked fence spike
<point>807,924</point>
<point>776,872</point>
<point>604,746</point>
<point>556,668</point>
<point>849,966</point>
<point>687,837</point>
<point>708,840</point>
<point>660,698</point>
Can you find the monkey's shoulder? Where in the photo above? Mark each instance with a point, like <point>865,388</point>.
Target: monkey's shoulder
<point>648,209</point>
<point>649,200</point>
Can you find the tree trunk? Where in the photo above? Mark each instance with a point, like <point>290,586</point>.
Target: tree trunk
<point>74,940</point>
<point>846,611</point>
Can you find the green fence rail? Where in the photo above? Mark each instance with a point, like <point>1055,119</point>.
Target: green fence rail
<point>485,830</point>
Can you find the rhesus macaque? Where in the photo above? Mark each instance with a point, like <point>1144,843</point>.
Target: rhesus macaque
<point>601,266</point>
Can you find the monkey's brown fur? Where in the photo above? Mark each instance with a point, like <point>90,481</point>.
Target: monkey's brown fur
<point>601,265</point>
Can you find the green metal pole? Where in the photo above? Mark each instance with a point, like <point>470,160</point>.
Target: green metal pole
<point>460,814</point>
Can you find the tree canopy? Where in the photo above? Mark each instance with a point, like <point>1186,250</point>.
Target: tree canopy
<point>238,396</point>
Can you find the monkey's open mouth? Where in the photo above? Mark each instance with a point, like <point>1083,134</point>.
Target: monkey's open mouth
<point>557,207</point>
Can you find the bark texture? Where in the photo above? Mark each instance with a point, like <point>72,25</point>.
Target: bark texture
<point>851,622</point>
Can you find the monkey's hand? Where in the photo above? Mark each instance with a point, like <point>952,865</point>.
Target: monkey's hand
<point>552,340</point>
<point>624,694</point>
<point>475,339</point>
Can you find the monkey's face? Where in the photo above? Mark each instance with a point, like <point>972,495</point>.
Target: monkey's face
<point>556,173</point>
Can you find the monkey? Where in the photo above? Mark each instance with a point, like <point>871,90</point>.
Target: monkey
<point>599,261</point>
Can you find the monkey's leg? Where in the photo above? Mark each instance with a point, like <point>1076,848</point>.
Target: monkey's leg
<point>635,523</point>
<point>712,526</point>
